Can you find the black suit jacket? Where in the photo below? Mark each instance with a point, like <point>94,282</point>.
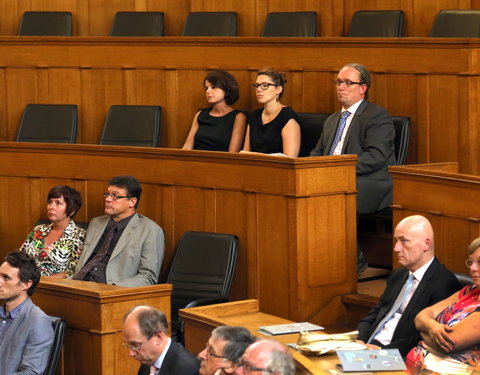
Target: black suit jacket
<point>177,361</point>
<point>437,284</point>
<point>370,136</point>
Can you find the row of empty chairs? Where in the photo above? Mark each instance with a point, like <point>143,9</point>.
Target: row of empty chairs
<point>128,125</point>
<point>384,23</point>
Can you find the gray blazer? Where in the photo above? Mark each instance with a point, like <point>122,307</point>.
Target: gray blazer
<point>26,345</point>
<point>138,255</point>
<point>371,136</point>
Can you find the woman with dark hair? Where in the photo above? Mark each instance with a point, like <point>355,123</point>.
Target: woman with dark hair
<point>450,328</point>
<point>275,127</point>
<point>57,246</point>
<point>219,127</point>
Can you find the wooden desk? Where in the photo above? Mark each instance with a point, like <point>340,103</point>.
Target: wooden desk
<point>94,312</point>
<point>449,199</point>
<point>295,217</point>
<point>200,321</point>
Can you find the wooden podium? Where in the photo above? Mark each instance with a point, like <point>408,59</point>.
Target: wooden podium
<point>94,312</point>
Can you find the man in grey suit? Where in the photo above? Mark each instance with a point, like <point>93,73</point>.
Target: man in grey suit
<point>122,247</point>
<point>367,130</point>
<point>26,333</point>
<point>145,334</point>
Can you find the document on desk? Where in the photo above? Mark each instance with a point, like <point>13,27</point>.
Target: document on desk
<point>284,329</point>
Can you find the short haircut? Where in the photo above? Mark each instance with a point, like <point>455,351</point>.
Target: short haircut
<point>280,362</point>
<point>130,184</point>
<point>279,79</point>
<point>364,75</point>
<point>225,81</point>
<point>474,245</point>
<point>72,198</point>
<point>237,338</point>
<point>150,320</point>
<point>27,268</point>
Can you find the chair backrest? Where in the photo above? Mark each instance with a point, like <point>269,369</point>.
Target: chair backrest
<point>210,24</point>
<point>463,279</point>
<point>402,137</point>
<point>311,125</point>
<point>59,325</point>
<point>132,125</point>
<point>80,224</point>
<point>376,23</point>
<point>53,123</point>
<point>290,24</point>
<point>203,266</point>
<point>137,24</point>
<point>46,24</point>
<point>451,23</point>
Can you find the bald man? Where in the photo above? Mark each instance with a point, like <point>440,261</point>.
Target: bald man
<point>268,356</point>
<point>421,282</point>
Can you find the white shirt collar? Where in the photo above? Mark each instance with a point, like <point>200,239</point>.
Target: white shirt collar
<point>353,108</point>
<point>418,274</point>
<point>158,363</point>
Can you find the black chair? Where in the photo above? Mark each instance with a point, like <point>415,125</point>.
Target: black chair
<point>402,137</point>
<point>46,24</point>
<point>290,24</point>
<point>59,325</point>
<point>137,24</point>
<point>210,24</point>
<point>456,24</point>
<point>132,125</point>
<point>81,224</point>
<point>376,23</point>
<point>463,279</point>
<point>201,272</point>
<point>53,123</point>
<point>311,125</point>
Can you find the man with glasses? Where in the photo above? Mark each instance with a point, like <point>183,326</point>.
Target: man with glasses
<point>267,357</point>
<point>122,247</point>
<point>364,129</point>
<point>421,282</point>
<point>145,337</point>
<point>224,349</point>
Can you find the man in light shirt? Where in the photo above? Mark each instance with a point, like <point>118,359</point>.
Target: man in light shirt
<point>422,281</point>
<point>145,336</point>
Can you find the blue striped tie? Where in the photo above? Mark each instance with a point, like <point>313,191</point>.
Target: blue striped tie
<point>340,129</point>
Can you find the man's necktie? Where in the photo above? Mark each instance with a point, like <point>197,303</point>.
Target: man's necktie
<point>110,231</point>
<point>340,129</point>
<point>153,370</point>
<point>404,293</point>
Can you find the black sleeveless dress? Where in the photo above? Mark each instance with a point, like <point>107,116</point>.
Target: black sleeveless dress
<point>214,133</point>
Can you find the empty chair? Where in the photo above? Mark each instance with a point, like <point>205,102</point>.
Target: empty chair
<point>137,24</point>
<point>457,24</point>
<point>52,123</point>
<point>290,24</point>
<point>311,125</point>
<point>59,325</point>
<point>211,24</point>
<point>46,24</point>
<point>202,271</point>
<point>402,137</point>
<point>376,23</point>
<point>132,125</point>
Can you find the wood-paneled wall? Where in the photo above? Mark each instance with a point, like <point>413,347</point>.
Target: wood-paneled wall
<point>295,217</point>
<point>94,17</point>
<point>95,73</point>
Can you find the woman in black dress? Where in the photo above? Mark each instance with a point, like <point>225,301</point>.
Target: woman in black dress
<point>275,127</point>
<point>219,127</point>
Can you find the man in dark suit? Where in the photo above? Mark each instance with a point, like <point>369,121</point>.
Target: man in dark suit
<point>422,281</point>
<point>366,130</point>
<point>145,335</point>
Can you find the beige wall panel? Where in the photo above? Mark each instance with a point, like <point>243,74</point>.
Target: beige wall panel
<point>9,17</point>
<point>319,94</point>
<point>101,13</point>
<point>175,14</point>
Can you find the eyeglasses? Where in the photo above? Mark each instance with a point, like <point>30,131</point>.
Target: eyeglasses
<point>115,196</point>
<point>210,353</point>
<point>248,367</point>
<point>470,262</point>
<point>347,83</point>
<point>134,347</point>
<point>263,86</point>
